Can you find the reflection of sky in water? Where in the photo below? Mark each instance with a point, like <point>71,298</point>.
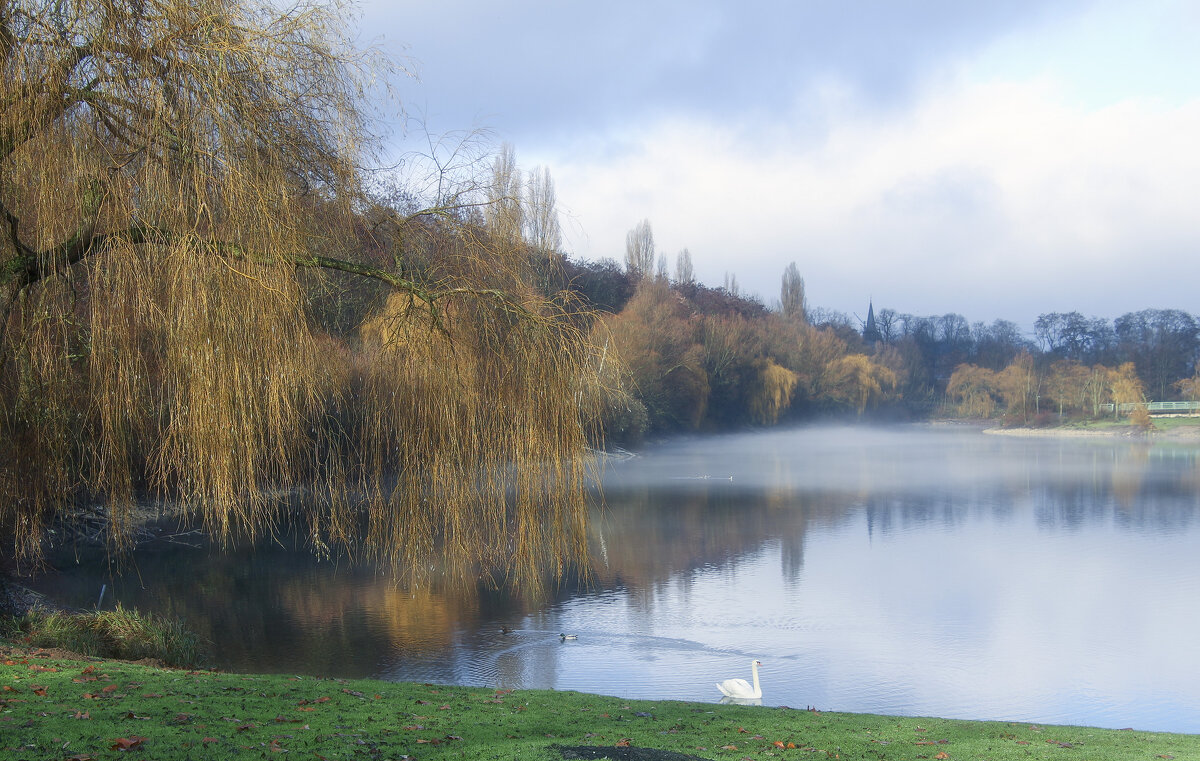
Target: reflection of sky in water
<point>919,572</point>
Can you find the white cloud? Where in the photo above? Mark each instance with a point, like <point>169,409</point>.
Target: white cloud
<point>991,199</point>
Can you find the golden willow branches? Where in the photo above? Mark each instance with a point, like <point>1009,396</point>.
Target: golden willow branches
<point>167,167</point>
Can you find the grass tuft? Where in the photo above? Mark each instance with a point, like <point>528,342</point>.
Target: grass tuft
<point>122,633</point>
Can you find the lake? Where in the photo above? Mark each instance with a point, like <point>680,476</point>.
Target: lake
<point>911,570</point>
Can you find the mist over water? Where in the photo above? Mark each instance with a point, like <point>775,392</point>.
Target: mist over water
<point>916,571</point>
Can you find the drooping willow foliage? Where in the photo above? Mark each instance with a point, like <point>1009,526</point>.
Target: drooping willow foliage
<point>167,167</point>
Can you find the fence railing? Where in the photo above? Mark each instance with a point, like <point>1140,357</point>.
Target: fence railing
<point>1153,407</point>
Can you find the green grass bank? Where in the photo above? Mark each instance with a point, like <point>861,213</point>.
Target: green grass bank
<point>57,706</point>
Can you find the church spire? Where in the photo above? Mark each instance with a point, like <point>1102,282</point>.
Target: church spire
<point>870,331</point>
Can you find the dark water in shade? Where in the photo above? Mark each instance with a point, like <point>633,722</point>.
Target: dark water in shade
<point>914,571</point>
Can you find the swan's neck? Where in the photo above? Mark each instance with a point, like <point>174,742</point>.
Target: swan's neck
<point>754,672</point>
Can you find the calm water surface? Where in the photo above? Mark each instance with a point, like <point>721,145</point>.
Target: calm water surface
<point>914,571</point>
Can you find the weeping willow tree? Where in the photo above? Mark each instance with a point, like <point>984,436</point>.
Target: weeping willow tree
<point>167,168</point>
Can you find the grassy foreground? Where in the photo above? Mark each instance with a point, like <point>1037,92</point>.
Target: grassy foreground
<point>56,707</point>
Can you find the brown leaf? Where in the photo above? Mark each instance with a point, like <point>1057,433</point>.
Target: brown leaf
<point>624,742</point>
<point>128,743</point>
<point>110,688</point>
<point>942,756</point>
<point>729,747</point>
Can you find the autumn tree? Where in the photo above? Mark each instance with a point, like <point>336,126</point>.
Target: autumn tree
<point>1096,388</point>
<point>1190,387</point>
<point>1019,386</point>
<point>973,389</point>
<point>1066,384</point>
<point>857,380</point>
<point>1126,387</point>
<point>771,393</point>
<point>166,168</point>
<point>655,338</point>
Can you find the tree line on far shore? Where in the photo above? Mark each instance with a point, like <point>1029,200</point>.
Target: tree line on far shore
<point>691,357</point>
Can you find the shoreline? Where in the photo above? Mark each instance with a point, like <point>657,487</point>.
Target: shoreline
<point>88,707</point>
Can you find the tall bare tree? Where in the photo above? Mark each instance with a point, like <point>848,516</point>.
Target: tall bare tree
<point>791,294</point>
<point>684,272</point>
<point>542,230</point>
<point>503,212</point>
<point>639,250</point>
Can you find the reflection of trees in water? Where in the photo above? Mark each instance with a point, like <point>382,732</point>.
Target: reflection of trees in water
<point>643,537</point>
<point>274,606</point>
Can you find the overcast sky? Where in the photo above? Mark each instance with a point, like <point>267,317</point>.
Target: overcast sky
<point>994,159</point>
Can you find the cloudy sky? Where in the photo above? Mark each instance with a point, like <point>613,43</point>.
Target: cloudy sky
<point>996,159</point>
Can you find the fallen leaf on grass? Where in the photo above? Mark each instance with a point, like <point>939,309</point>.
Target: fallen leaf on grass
<point>624,742</point>
<point>728,747</point>
<point>943,755</point>
<point>128,743</point>
<point>110,688</point>
<point>39,690</point>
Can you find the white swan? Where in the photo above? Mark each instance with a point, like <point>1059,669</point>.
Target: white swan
<point>738,688</point>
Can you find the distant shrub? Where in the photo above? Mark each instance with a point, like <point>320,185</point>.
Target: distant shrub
<point>1140,419</point>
